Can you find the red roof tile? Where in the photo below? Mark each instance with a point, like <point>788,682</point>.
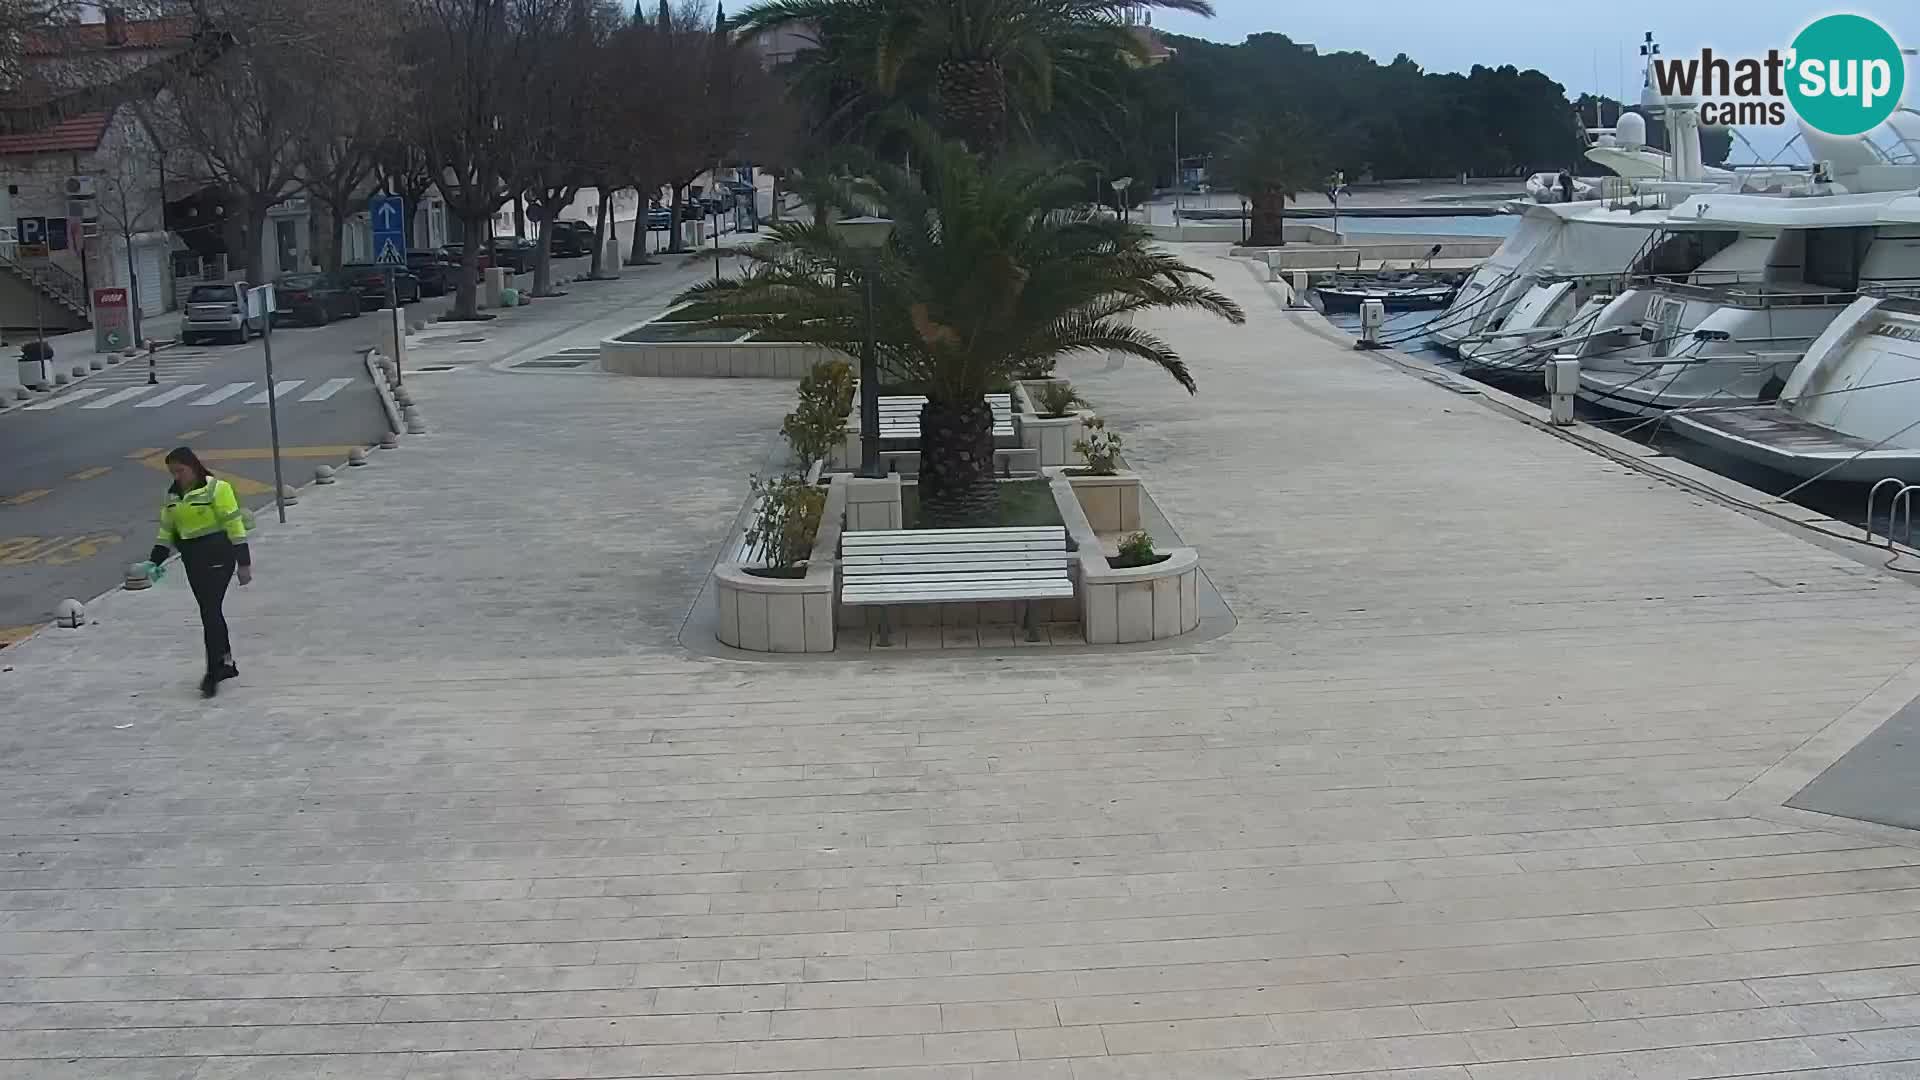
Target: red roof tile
<point>81,134</point>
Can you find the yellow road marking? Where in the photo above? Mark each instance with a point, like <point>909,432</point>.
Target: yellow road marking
<point>26,496</point>
<point>189,436</point>
<point>53,550</point>
<point>234,419</point>
<point>265,453</point>
<point>88,474</point>
<point>11,634</point>
<point>144,452</point>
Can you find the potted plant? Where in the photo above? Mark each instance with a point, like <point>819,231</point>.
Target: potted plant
<point>818,425</point>
<point>783,532</point>
<point>1056,399</point>
<point>1136,550</point>
<point>35,356</point>
<point>1100,449</point>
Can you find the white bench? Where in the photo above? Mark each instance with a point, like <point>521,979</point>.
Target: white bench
<point>900,417</point>
<point>944,566</point>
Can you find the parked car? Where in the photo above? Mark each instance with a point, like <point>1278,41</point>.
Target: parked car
<point>513,253</point>
<point>659,219</point>
<point>218,312</point>
<point>369,283</point>
<point>453,253</point>
<point>313,299</point>
<point>435,274</point>
<point>571,239</point>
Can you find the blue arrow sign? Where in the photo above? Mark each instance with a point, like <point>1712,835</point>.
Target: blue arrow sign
<point>389,219</point>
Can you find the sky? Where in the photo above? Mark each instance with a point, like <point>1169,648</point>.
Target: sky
<point>1584,47</point>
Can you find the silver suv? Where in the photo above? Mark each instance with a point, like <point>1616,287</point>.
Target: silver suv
<point>218,312</point>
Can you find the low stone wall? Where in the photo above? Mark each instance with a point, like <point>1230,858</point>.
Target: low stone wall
<point>712,359</point>
<point>785,615</point>
<point>1051,438</point>
<point>1122,607</point>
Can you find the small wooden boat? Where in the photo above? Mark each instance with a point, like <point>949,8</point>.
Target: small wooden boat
<point>1398,290</point>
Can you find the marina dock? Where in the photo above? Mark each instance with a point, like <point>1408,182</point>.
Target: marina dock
<point>1486,782</point>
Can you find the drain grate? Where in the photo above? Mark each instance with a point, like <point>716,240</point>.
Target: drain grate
<point>433,367</point>
<point>470,340</point>
<point>551,362</point>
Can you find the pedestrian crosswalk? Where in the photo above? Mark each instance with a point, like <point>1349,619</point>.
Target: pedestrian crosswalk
<point>144,396</point>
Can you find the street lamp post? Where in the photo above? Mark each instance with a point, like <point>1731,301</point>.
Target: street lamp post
<point>868,234</point>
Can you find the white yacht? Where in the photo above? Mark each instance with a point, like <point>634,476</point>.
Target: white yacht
<point>1731,331</point>
<point>1851,410</point>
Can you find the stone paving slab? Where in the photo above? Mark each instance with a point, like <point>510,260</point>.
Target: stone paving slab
<point>1473,790</point>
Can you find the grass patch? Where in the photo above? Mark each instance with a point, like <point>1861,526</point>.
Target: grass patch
<point>669,333</point>
<point>1023,504</point>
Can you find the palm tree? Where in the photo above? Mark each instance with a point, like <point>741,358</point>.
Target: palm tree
<point>1271,162</point>
<point>982,66</point>
<point>992,268</point>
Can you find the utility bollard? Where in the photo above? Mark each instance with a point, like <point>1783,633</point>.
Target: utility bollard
<point>1563,382</point>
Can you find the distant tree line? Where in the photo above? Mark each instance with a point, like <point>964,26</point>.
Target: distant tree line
<point>1387,121</point>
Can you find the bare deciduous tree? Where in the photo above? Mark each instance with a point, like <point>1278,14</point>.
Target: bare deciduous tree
<point>245,119</point>
<point>471,66</point>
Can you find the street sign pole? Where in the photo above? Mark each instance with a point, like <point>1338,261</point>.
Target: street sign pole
<point>261,298</point>
<point>388,216</point>
<point>393,302</point>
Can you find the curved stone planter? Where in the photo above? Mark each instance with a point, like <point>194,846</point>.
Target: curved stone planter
<point>785,615</point>
<point>1122,607</point>
<point>1144,603</point>
<point>775,615</point>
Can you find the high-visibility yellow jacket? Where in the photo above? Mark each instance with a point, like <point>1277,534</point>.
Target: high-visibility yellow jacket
<point>210,508</point>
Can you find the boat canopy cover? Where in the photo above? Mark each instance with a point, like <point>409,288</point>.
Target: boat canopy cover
<point>1581,248</point>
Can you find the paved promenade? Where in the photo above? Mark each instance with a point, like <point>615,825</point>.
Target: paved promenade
<point>1486,784</point>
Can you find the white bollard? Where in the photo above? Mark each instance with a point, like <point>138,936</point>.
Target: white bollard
<point>70,614</point>
<point>1300,286</point>
<point>1373,319</point>
<point>1563,382</point>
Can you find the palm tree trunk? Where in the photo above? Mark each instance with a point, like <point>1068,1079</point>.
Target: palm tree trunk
<point>1269,219</point>
<point>956,464</point>
<point>972,97</point>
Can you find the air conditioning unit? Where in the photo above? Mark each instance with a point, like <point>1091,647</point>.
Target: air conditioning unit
<point>80,187</point>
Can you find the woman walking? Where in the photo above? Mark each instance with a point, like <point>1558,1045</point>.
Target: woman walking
<point>202,518</point>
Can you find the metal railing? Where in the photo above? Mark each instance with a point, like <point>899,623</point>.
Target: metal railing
<point>48,277</point>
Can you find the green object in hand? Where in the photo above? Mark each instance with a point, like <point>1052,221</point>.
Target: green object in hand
<point>155,571</point>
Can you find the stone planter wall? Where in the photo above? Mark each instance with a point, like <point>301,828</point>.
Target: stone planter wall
<point>780,615</point>
<point>1051,438</point>
<point>873,505</point>
<point>1111,503</point>
<point>711,359</point>
<point>1121,607</point>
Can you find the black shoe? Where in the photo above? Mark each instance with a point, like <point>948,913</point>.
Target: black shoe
<point>209,684</point>
<point>227,672</point>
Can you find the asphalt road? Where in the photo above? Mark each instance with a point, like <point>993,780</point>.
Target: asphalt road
<point>81,480</point>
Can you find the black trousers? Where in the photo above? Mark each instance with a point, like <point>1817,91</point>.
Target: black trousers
<point>209,563</point>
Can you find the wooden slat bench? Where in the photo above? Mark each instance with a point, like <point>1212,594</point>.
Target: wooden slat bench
<point>900,417</point>
<point>942,566</point>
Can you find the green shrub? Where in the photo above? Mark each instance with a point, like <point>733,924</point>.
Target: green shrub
<point>789,518</point>
<point>1137,548</point>
<point>1056,399</point>
<point>1099,447</point>
<point>819,422</point>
